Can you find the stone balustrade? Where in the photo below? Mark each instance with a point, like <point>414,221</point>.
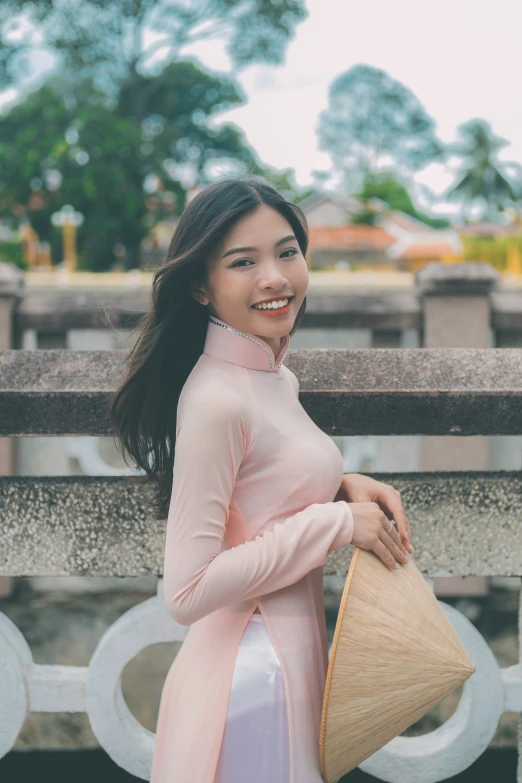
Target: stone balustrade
<point>433,391</point>
<point>466,523</point>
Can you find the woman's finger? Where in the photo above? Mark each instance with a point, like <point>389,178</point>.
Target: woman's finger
<point>385,555</point>
<point>396,537</point>
<point>391,499</point>
<point>408,527</point>
<point>396,551</point>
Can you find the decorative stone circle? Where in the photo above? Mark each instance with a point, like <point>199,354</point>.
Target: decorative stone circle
<point>125,740</point>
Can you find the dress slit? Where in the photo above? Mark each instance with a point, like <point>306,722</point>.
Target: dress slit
<point>255,744</point>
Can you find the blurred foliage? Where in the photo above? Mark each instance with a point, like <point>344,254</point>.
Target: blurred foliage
<point>371,116</point>
<point>109,43</point>
<point>284,182</point>
<point>373,120</point>
<point>12,252</point>
<point>387,187</point>
<point>97,160</point>
<point>111,117</point>
<point>493,250</point>
<point>125,124</point>
<point>482,175</point>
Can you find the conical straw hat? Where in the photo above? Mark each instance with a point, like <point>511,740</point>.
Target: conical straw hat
<point>394,656</point>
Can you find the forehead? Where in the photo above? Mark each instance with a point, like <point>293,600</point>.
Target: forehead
<point>259,228</point>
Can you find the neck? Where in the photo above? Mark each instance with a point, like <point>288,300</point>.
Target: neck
<point>273,342</point>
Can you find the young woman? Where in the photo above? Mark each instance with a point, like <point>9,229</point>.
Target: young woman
<point>253,492</point>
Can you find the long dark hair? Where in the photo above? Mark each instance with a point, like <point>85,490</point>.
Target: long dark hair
<point>171,335</point>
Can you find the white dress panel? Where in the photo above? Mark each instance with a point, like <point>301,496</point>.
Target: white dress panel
<point>255,745</point>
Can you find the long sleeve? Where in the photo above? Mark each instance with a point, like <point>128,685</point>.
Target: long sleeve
<point>199,578</point>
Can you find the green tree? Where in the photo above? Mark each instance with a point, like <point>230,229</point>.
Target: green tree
<point>284,181</point>
<point>387,187</point>
<point>483,178</point>
<point>136,107</point>
<point>112,43</point>
<point>370,119</point>
<point>98,159</point>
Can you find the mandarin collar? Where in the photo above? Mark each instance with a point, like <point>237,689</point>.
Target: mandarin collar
<point>246,350</point>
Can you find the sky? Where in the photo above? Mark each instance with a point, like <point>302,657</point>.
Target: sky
<point>460,58</point>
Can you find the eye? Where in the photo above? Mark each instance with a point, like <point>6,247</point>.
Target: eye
<point>291,250</point>
<point>239,262</point>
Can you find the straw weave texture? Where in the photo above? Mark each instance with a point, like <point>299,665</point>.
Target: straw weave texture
<point>395,655</point>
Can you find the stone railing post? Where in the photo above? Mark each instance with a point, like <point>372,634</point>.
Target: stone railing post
<point>456,314</point>
<point>11,284</point>
<point>456,311</point>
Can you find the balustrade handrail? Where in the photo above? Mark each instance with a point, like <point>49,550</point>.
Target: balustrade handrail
<point>466,523</point>
<point>374,391</point>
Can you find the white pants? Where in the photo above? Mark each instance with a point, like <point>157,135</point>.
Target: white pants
<point>255,744</point>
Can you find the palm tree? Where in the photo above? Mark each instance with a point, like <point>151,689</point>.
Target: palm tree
<point>482,174</point>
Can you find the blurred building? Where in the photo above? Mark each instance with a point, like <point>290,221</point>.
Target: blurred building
<point>396,241</point>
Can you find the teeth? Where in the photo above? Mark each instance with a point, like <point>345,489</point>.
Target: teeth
<point>275,305</point>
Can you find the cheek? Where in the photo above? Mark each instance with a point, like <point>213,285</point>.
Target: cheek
<point>235,288</point>
<point>301,275</point>
<point>227,287</point>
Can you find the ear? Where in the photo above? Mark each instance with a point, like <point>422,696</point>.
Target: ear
<point>198,294</point>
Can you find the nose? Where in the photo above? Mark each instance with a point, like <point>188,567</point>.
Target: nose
<point>272,276</point>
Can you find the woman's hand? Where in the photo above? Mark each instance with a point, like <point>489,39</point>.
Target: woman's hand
<point>370,526</point>
<point>356,488</point>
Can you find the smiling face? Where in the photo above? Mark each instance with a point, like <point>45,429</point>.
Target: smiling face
<point>272,269</point>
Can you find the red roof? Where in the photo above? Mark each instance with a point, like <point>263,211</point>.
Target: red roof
<point>375,238</point>
<point>349,237</point>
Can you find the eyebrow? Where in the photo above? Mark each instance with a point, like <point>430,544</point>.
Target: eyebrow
<point>246,249</point>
